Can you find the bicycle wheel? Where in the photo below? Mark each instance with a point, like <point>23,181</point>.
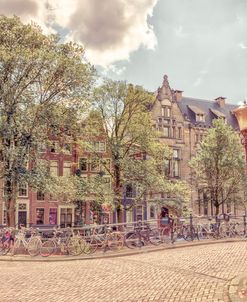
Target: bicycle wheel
<point>74,246</point>
<point>91,245</point>
<point>133,241</point>
<point>155,237</point>
<point>4,247</point>
<point>115,241</point>
<point>48,248</point>
<point>34,246</point>
<point>189,234</point>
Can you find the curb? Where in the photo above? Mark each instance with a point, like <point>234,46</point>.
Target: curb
<point>235,287</point>
<point>114,255</point>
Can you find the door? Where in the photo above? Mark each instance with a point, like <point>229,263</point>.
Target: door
<point>22,218</point>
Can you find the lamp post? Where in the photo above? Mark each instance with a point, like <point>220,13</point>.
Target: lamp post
<point>241,115</point>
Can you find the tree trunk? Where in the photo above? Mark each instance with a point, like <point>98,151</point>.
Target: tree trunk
<point>10,207</point>
<point>217,209</point>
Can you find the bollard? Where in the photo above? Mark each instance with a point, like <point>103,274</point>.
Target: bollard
<point>244,224</point>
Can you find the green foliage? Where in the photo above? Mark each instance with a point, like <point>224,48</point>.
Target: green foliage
<point>121,117</point>
<point>219,164</point>
<point>44,86</point>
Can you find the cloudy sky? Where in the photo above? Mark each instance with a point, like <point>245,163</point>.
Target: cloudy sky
<point>200,44</point>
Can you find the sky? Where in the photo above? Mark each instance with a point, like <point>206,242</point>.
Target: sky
<point>200,44</point>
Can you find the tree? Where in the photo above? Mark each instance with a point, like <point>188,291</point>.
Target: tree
<point>121,117</point>
<point>219,165</point>
<point>44,85</point>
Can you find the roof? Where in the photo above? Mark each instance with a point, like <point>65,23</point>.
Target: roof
<point>195,109</point>
<point>210,109</point>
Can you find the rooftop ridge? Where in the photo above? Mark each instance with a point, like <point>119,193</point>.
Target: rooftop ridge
<point>205,100</point>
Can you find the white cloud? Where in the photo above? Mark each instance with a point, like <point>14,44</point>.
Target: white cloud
<point>241,45</point>
<point>109,29</point>
<point>112,29</point>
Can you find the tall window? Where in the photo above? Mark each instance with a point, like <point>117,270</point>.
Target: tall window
<point>166,131</point>
<point>67,168</point>
<point>54,168</point>
<point>180,133</point>
<point>174,132</point>
<point>22,189</point>
<point>175,163</point>
<point>53,216</point>
<point>139,213</point>
<point>129,191</point>
<point>167,167</point>
<point>40,213</point>
<point>152,212</point>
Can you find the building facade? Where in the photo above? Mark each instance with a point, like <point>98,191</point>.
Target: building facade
<point>182,122</point>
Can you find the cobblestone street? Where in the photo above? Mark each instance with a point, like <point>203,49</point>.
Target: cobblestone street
<point>200,273</point>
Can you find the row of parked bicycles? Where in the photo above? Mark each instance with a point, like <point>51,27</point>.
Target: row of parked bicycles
<point>88,240</point>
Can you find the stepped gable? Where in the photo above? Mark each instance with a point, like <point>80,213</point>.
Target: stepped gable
<point>189,105</point>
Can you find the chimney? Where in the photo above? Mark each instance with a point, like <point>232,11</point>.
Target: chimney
<point>220,101</point>
<point>178,95</point>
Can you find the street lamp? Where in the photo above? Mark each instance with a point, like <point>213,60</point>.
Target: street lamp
<point>241,115</point>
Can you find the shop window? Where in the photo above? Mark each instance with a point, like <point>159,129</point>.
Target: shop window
<point>40,213</point>
<point>53,216</point>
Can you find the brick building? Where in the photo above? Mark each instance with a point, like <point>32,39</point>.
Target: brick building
<point>182,123</point>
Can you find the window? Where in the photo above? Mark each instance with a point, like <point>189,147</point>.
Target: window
<point>95,165</point>
<point>40,213</point>
<point>173,132</point>
<point>102,147</point>
<point>129,191</point>
<point>167,167</point>
<point>152,212</point>
<point>83,164</point>
<point>54,147</point>
<point>22,189</point>
<point>179,132</point>
<point>53,216</point>
<point>67,168</point>
<point>166,111</point>
<point>166,131</point>
<point>54,168</point>
<point>139,213</point>
<point>40,195</point>
<point>129,216</point>
<point>197,138</point>
<point>175,163</point>
<point>200,118</point>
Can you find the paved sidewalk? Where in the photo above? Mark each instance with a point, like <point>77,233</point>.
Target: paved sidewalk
<point>124,252</point>
<point>186,274</point>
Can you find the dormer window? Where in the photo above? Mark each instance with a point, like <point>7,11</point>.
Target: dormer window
<point>200,118</point>
<point>199,114</point>
<point>218,114</point>
<point>166,111</point>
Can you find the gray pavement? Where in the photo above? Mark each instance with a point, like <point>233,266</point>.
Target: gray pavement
<point>198,273</point>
